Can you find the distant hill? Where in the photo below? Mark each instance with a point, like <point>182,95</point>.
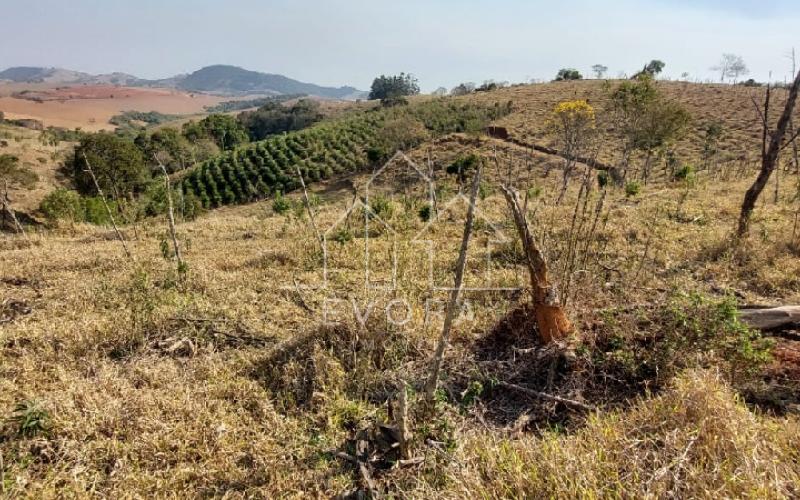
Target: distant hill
<point>34,74</point>
<point>235,80</point>
<point>218,79</point>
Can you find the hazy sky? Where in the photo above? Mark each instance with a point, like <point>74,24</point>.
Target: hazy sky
<point>338,42</point>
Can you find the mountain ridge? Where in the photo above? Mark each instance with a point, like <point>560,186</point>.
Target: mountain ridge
<point>215,79</point>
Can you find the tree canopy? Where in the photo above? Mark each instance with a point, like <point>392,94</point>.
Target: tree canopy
<point>392,87</point>
<point>731,66</point>
<point>566,74</point>
<point>274,118</point>
<point>651,69</point>
<point>116,162</point>
<point>224,130</point>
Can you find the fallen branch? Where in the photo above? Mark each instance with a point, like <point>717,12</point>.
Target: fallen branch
<point>307,202</point>
<point>544,395</point>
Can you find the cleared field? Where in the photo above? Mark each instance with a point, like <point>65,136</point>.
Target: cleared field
<point>91,107</point>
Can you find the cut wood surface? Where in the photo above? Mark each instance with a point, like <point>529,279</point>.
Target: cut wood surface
<point>771,318</point>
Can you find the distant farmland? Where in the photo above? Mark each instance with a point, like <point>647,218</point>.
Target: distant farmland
<point>90,107</point>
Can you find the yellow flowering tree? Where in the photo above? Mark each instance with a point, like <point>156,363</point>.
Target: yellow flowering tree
<point>572,123</point>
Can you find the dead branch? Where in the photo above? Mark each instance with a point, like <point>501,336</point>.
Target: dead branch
<point>108,209</point>
<point>171,215</point>
<point>6,202</point>
<point>544,395</point>
<point>307,203</point>
<point>401,419</point>
<point>769,155</point>
<point>452,305</point>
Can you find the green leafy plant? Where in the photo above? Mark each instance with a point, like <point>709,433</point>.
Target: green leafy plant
<point>425,212</point>
<point>29,419</point>
<point>342,235</point>
<point>281,205</point>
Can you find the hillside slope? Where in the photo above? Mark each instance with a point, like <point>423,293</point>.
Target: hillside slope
<point>266,366</point>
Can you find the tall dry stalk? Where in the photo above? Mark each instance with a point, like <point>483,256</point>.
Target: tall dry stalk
<point>108,209</point>
<point>307,202</point>
<point>171,217</point>
<point>453,304</point>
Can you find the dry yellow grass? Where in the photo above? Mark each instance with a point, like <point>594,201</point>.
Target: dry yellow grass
<point>147,399</point>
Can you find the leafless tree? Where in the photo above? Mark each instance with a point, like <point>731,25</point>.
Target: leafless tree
<point>731,66</point>
<point>599,70</point>
<point>772,143</point>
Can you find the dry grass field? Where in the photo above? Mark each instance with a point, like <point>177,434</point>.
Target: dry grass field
<point>244,376</point>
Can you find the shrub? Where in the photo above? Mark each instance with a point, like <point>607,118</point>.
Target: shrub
<point>342,235</point>
<point>63,204</point>
<point>95,212</point>
<point>602,179</point>
<point>690,331</point>
<point>463,166</point>
<point>381,206</point>
<point>632,189</point>
<point>425,213</point>
<point>14,173</point>
<point>281,205</point>
<point>685,173</point>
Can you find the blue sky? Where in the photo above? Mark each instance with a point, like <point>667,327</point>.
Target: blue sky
<point>338,42</point>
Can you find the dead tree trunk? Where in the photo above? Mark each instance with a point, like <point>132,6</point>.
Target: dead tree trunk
<point>551,319</point>
<point>769,154</point>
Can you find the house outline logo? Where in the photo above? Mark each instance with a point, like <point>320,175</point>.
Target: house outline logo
<point>362,201</point>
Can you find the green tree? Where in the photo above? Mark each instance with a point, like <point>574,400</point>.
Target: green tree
<point>393,87</point>
<point>566,74</point>
<point>224,130</point>
<point>171,147</point>
<point>274,118</point>
<point>117,163</point>
<point>651,69</point>
<point>645,121</point>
